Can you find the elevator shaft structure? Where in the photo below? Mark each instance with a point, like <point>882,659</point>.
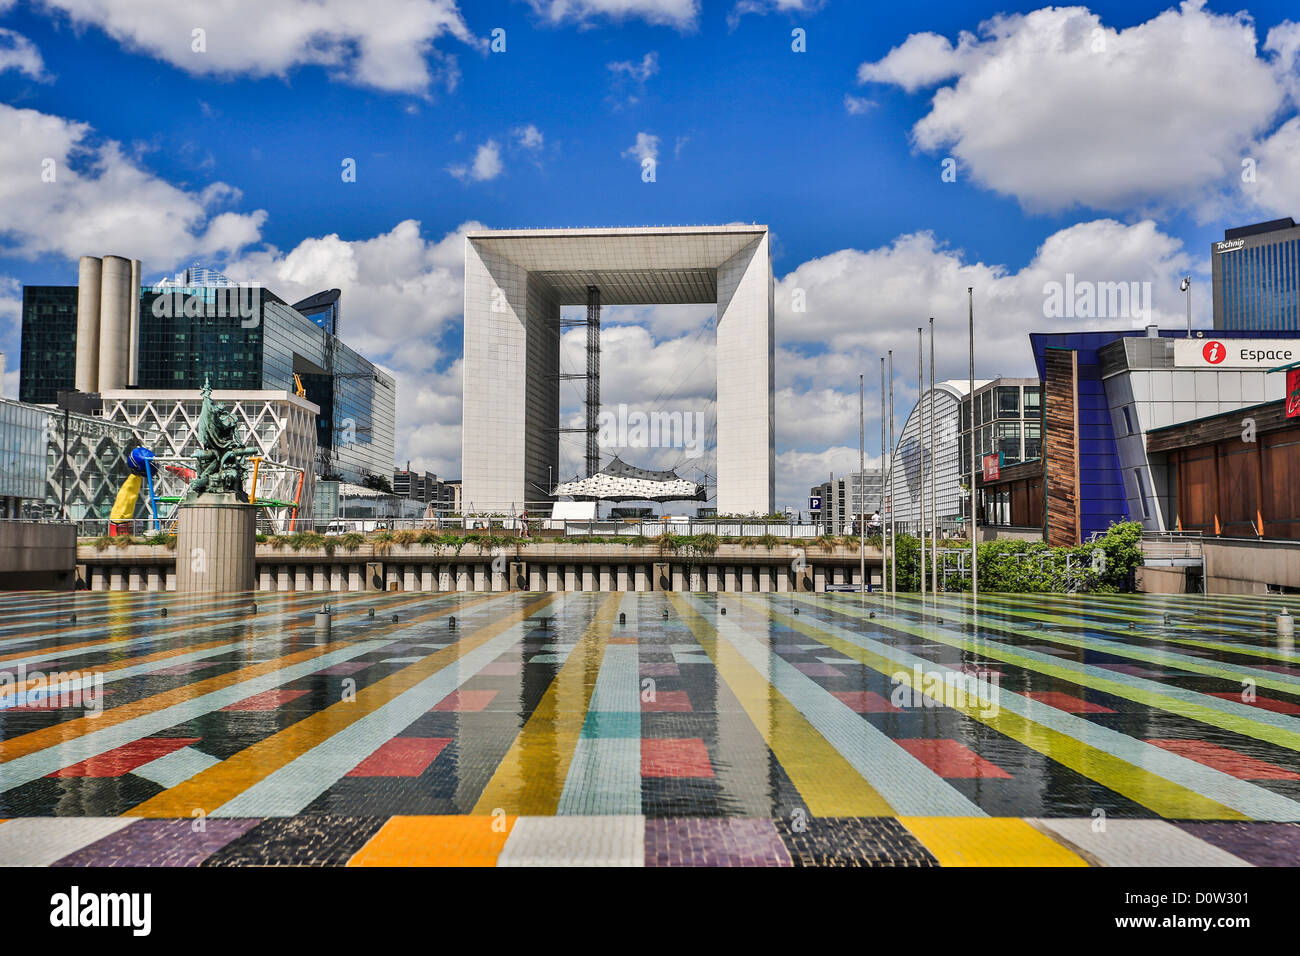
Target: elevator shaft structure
<point>593,378</point>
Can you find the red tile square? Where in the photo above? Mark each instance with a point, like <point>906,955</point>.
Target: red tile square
<point>466,701</point>
<point>126,758</point>
<point>1241,766</point>
<point>1067,702</point>
<point>866,702</point>
<point>951,758</point>
<point>1263,703</point>
<point>267,700</point>
<point>675,757</point>
<point>675,700</point>
<point>401,757</point>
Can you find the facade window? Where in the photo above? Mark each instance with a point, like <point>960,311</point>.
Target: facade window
<point>1008,441</point>
<point>1142,492</point>
<point>1008,401</point>
<point>1128,421</point>
<point>1033,440</point>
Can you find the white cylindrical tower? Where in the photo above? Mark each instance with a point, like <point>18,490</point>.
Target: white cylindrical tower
<point>115,324</point>
<point>89,280</point>
<point>133,362</point>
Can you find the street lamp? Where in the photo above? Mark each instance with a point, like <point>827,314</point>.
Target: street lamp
<point>1186,286</point>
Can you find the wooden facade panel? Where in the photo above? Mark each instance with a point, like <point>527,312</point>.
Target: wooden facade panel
<point>1196,493</point>
<point>1238,488</point>
<point>1061,446</point>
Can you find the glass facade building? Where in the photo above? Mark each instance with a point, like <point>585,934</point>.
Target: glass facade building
<point>1008,423</point>
<point>1256,276</point>
<point>241,338</point>
<point>915,457</point>
<point>49,342</point>
<point>23,430</point>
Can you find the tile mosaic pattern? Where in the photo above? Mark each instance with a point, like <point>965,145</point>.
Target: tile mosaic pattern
<point>541,731</point>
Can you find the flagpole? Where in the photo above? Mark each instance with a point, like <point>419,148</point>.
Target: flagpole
<point>862,488</point>
<point>934,499</point>
<point>974,521</point>
<point>893,526</point>
<point>920,446</point>
<point>884,470</point>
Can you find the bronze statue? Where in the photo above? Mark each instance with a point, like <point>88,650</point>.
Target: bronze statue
<point>221,460</point>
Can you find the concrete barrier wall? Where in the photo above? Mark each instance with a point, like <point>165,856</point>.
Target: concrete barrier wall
<point>1235,566</point>
<point>559,568</point>
<point>37,556</point>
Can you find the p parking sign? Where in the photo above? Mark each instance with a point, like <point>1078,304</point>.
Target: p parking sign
<point>814,502</point>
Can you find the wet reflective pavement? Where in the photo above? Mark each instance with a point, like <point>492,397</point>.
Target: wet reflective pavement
<point>648,729</point>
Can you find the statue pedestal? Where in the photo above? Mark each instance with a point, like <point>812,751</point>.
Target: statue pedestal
<point>216,542</point>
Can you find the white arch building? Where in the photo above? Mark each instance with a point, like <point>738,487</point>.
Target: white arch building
<point>515,283</point>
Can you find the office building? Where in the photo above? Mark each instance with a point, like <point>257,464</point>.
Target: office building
<point>1256,277</point>
<point>1008,424</point>
<point>915,457</point>
<point>1103,394</point>
<point>108,334</point>
<point>847,497</point>
<point>516,283</point>
<point>48,354</point>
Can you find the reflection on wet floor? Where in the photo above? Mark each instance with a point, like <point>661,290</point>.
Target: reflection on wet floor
<point>647,728</point>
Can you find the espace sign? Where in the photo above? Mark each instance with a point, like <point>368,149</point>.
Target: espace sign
<point>1235,353</point>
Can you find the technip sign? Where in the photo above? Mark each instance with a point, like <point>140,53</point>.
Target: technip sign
<point>1235,353</point>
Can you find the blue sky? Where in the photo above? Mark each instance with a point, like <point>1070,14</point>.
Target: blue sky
<point>1104,140</point>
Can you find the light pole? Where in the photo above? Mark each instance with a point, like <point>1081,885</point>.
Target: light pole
<point>884,471</point>
<point>862,488</point>
<point>934,499</point>
<point>893,527</point>
<point>974,522</point>
<point>920,445</point>
<point>1186,286</point>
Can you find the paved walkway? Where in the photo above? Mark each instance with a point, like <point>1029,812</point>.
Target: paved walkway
<point>647,729</point>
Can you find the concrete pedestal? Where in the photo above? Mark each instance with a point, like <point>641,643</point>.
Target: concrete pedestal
<point>216,542</point>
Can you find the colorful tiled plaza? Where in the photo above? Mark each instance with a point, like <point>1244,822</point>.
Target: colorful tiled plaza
<point>647,729</point>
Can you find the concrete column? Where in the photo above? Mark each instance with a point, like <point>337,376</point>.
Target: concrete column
<point>282,579</point>
<point>765,579</point>
<point>215,546</point>
<point>171,580</point>
<point>301,580</point>
<point>318,579</point>
<point>445,577</point>
<point>588,577</point>
<point>819,579</point>
<point>729,578</point>
<point>640,575</point>
<point>570,577</point>
<point>115,324</point>
<point>265,578</point>
<point>428,579</point>
<point>410,577</point>
<point>356,572</point>
<point>782,579</point>
<point>90,271</point>
<point>154,580</point>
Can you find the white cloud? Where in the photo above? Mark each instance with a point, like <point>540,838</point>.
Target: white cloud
<point>19,53</point>
<point>401,293</point>
<point>861,304</point>
<point>640,72</point>
<point>674,13</point>
<point>101,201</point>
<point>1056,109</point>
<point>529,137</point>
<point>761,7</point>
<point>645,147</point>
<point>798,471</point>
<point>486,166</point>
<point>857,105</point>
<point>382,44</point>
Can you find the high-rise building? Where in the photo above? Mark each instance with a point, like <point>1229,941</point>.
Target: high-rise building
<point>843,499</point>
<point>104,336</point>
<point>48,356</point>
<point>1256,275</point>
